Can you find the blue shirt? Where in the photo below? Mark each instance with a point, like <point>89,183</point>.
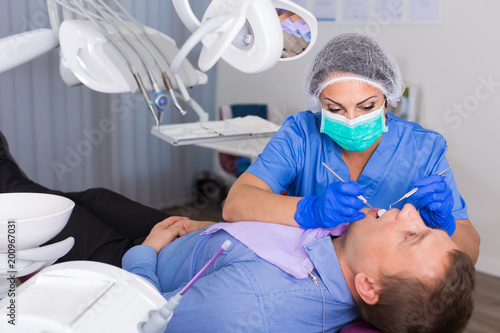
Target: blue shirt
<point>292,161</point>
<point>241,292</point>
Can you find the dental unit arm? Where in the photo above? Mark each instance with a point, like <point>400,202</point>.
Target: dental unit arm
<point>105,52</point>
<point>111,52</point>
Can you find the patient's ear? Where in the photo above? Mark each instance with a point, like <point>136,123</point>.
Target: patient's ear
<point>367,288</point>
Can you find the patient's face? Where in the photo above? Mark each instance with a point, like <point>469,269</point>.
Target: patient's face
<point>398,242</point>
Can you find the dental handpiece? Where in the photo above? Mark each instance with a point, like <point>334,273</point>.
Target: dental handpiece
<point>170,89</point>
<point>339,178</point>
<point>410,193</point>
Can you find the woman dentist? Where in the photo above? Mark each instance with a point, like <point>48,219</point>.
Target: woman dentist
<point>348,87</point>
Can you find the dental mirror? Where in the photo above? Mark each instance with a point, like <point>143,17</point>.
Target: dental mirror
<point>296,33</point>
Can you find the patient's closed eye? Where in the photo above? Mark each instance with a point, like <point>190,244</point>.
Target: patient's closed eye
<point>410,235</point>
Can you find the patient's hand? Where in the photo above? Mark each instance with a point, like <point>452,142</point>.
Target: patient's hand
<point>168,230</point>
<point>192,225</point>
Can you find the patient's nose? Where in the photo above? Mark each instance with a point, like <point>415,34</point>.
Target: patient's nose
<point>407,212</point>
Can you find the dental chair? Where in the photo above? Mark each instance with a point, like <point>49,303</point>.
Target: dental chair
<point>360,327</point>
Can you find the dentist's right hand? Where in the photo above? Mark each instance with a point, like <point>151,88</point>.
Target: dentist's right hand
<point>339,204</point>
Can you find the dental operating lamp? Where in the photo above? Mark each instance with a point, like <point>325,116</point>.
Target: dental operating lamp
<point>250,35</point>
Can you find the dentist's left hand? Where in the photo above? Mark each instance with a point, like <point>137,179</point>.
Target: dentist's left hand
<point>435,203</point>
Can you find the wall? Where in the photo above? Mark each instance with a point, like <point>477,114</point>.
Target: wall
<point>456,64</point>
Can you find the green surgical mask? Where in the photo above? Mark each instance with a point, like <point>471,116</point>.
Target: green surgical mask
<point>354,134</point>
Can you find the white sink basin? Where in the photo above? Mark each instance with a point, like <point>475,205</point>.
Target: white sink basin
<point>38,218</point>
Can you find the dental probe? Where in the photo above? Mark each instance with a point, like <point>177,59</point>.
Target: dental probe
<point>159,319</point>
<point>415,189</point>
<point>359,196</point>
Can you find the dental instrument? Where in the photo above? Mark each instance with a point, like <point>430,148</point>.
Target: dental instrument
<point>134,72</point>
<point>160,318</point>
<point>415,190</point>
<point>166,78</point>
<point>90,56</point>
<point>159,99</point>
<point>339,178</point>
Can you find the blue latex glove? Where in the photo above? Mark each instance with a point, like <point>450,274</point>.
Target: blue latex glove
<point>337,205</point>
<point>435,203</point>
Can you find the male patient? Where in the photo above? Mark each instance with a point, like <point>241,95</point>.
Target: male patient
<point>401,275</point>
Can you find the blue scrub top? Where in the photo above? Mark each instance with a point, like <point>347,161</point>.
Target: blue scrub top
<point>292,161</point>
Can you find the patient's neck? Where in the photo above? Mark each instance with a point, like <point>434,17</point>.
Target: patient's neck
<point>339,244</point>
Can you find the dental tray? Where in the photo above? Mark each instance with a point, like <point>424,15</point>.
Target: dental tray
<point>211,131</point>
